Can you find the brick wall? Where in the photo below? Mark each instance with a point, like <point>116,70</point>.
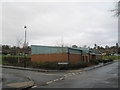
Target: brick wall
<point>75,58</point>
<point>63,57</point>
<point>86,58</point>
<point>50,57</point>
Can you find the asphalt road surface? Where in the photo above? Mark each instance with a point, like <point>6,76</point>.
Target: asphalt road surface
<point>14,76</point>
<point>102,77</point>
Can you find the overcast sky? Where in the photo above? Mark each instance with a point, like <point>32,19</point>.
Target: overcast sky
<point>51,23</point>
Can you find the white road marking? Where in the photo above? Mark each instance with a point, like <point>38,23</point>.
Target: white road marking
<point>49,82</point>
<point>34,87</point>
<point>55,80</point>
<point>73,73</point>
<point>61,78</point>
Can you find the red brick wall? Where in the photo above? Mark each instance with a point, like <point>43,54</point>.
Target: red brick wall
<point>75,58</point>
<point>50,57</point>
<point>86,58</point>
<point>63,57</point>
<point>91,58</point>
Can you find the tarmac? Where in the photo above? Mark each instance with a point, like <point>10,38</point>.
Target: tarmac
<point>30,83</point>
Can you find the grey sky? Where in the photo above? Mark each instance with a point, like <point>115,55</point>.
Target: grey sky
<point>80,23</point>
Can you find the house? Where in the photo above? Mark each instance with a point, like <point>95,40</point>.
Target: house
<point>62,54</point>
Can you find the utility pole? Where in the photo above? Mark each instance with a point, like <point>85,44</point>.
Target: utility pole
<point>25,46</point>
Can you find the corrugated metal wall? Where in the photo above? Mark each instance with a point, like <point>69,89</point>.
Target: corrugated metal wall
<point>48,49</point>
<point>74,51</point>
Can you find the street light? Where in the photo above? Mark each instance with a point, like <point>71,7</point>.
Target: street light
<point>25,46</point>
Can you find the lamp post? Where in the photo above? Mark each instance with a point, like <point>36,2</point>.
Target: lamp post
<point>25,46</point>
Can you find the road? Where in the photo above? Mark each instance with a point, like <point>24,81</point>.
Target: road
<point>102,77</point>
<point>14,75</point>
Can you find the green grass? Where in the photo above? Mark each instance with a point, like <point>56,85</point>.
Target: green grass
<point>111,57</point>
<point>0,61</point>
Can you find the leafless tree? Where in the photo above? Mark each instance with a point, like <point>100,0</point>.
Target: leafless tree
<point>74,46</point>
<point>117,9</point>
<point>84,46</point>
<point>19,43</point>
<point>62,45</point>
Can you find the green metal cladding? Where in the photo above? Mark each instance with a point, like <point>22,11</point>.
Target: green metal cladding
<point>54,49</point>
<point>48,49</point>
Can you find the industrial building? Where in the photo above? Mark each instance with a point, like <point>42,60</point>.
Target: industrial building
<point>62,54</point>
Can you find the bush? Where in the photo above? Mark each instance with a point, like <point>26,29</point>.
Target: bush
<point>100,61</point>
<point>56,66</point>
<point>13,60</point>
<point>77,65</point>
<point>95,61</point>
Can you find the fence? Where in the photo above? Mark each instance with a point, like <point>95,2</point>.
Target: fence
<point>15,60</point>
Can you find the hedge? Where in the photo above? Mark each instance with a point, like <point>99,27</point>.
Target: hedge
<point>56,66</point>
<point>15,60</point>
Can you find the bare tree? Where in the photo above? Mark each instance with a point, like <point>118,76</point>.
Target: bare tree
<point>19,43</point>
<point>117,9</point>
<point>62,49</point>
<point>84,46</point>
<point>74,46</point>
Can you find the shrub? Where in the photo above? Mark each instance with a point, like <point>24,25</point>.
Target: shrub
<point>13,60</point>
<point>56,66</point>
<point>95,61</point>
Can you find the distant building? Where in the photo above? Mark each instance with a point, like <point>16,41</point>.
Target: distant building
<point>62,54</point>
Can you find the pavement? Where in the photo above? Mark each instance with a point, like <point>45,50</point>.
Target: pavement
<point>21,85</point>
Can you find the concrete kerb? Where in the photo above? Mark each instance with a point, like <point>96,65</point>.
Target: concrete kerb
<point>21,85</point>
<point>97,66</point>
<point>30,69</point>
